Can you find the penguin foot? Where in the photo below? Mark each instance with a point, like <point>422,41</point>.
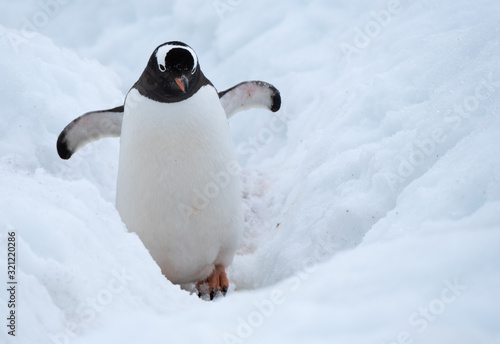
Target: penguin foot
<point>213,283</point>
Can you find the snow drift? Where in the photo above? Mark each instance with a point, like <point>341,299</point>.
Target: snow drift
<point>371,199</point>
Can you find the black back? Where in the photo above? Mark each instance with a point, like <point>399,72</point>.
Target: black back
<point>157,82</point>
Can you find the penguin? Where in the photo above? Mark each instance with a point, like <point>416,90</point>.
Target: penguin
<point>178,182</point>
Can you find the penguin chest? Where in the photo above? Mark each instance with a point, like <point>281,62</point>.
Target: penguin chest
<point>178,186</point>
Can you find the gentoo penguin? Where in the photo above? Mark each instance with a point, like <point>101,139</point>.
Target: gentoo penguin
<point>178,186</point>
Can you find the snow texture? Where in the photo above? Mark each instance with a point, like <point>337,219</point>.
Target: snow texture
<point>371,199</point>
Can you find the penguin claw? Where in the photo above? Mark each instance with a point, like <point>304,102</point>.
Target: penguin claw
<point>213,283</point>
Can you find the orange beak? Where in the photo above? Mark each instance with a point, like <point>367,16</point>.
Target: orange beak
<point>182,82</point>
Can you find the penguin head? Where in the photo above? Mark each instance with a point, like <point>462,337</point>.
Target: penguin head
<point>172,74</point>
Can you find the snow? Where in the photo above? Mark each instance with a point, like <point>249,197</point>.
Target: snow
<point>371,198</point>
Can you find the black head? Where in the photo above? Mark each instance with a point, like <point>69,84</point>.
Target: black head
<point>172,74</point>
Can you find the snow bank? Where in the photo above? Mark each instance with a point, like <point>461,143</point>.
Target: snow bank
<point>371,198</point>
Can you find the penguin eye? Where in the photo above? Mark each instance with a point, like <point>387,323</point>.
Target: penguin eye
<point>162,68</point>
<point>193,70</point>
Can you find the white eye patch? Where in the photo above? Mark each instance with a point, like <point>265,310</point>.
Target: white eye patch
<point>162,52</point>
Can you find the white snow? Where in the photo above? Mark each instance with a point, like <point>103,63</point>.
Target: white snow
<point>372,198</point>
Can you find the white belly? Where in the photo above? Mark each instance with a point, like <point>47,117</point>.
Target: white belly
<point>177,186</point>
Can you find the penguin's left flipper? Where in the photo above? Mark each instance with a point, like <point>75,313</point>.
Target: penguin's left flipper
<point>89,127</point>
<point>250,94</point>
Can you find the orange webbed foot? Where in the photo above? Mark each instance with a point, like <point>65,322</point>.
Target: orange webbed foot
<point>213,283</point>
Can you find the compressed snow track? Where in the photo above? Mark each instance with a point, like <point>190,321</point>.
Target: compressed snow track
<point>371,198</point>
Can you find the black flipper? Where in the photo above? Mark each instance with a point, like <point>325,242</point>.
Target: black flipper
<point>89,127</point>
<point>250,94</point>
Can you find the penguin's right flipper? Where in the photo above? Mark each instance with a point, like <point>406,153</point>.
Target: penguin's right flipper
<point>250,94</point>
<point>89,127</point>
